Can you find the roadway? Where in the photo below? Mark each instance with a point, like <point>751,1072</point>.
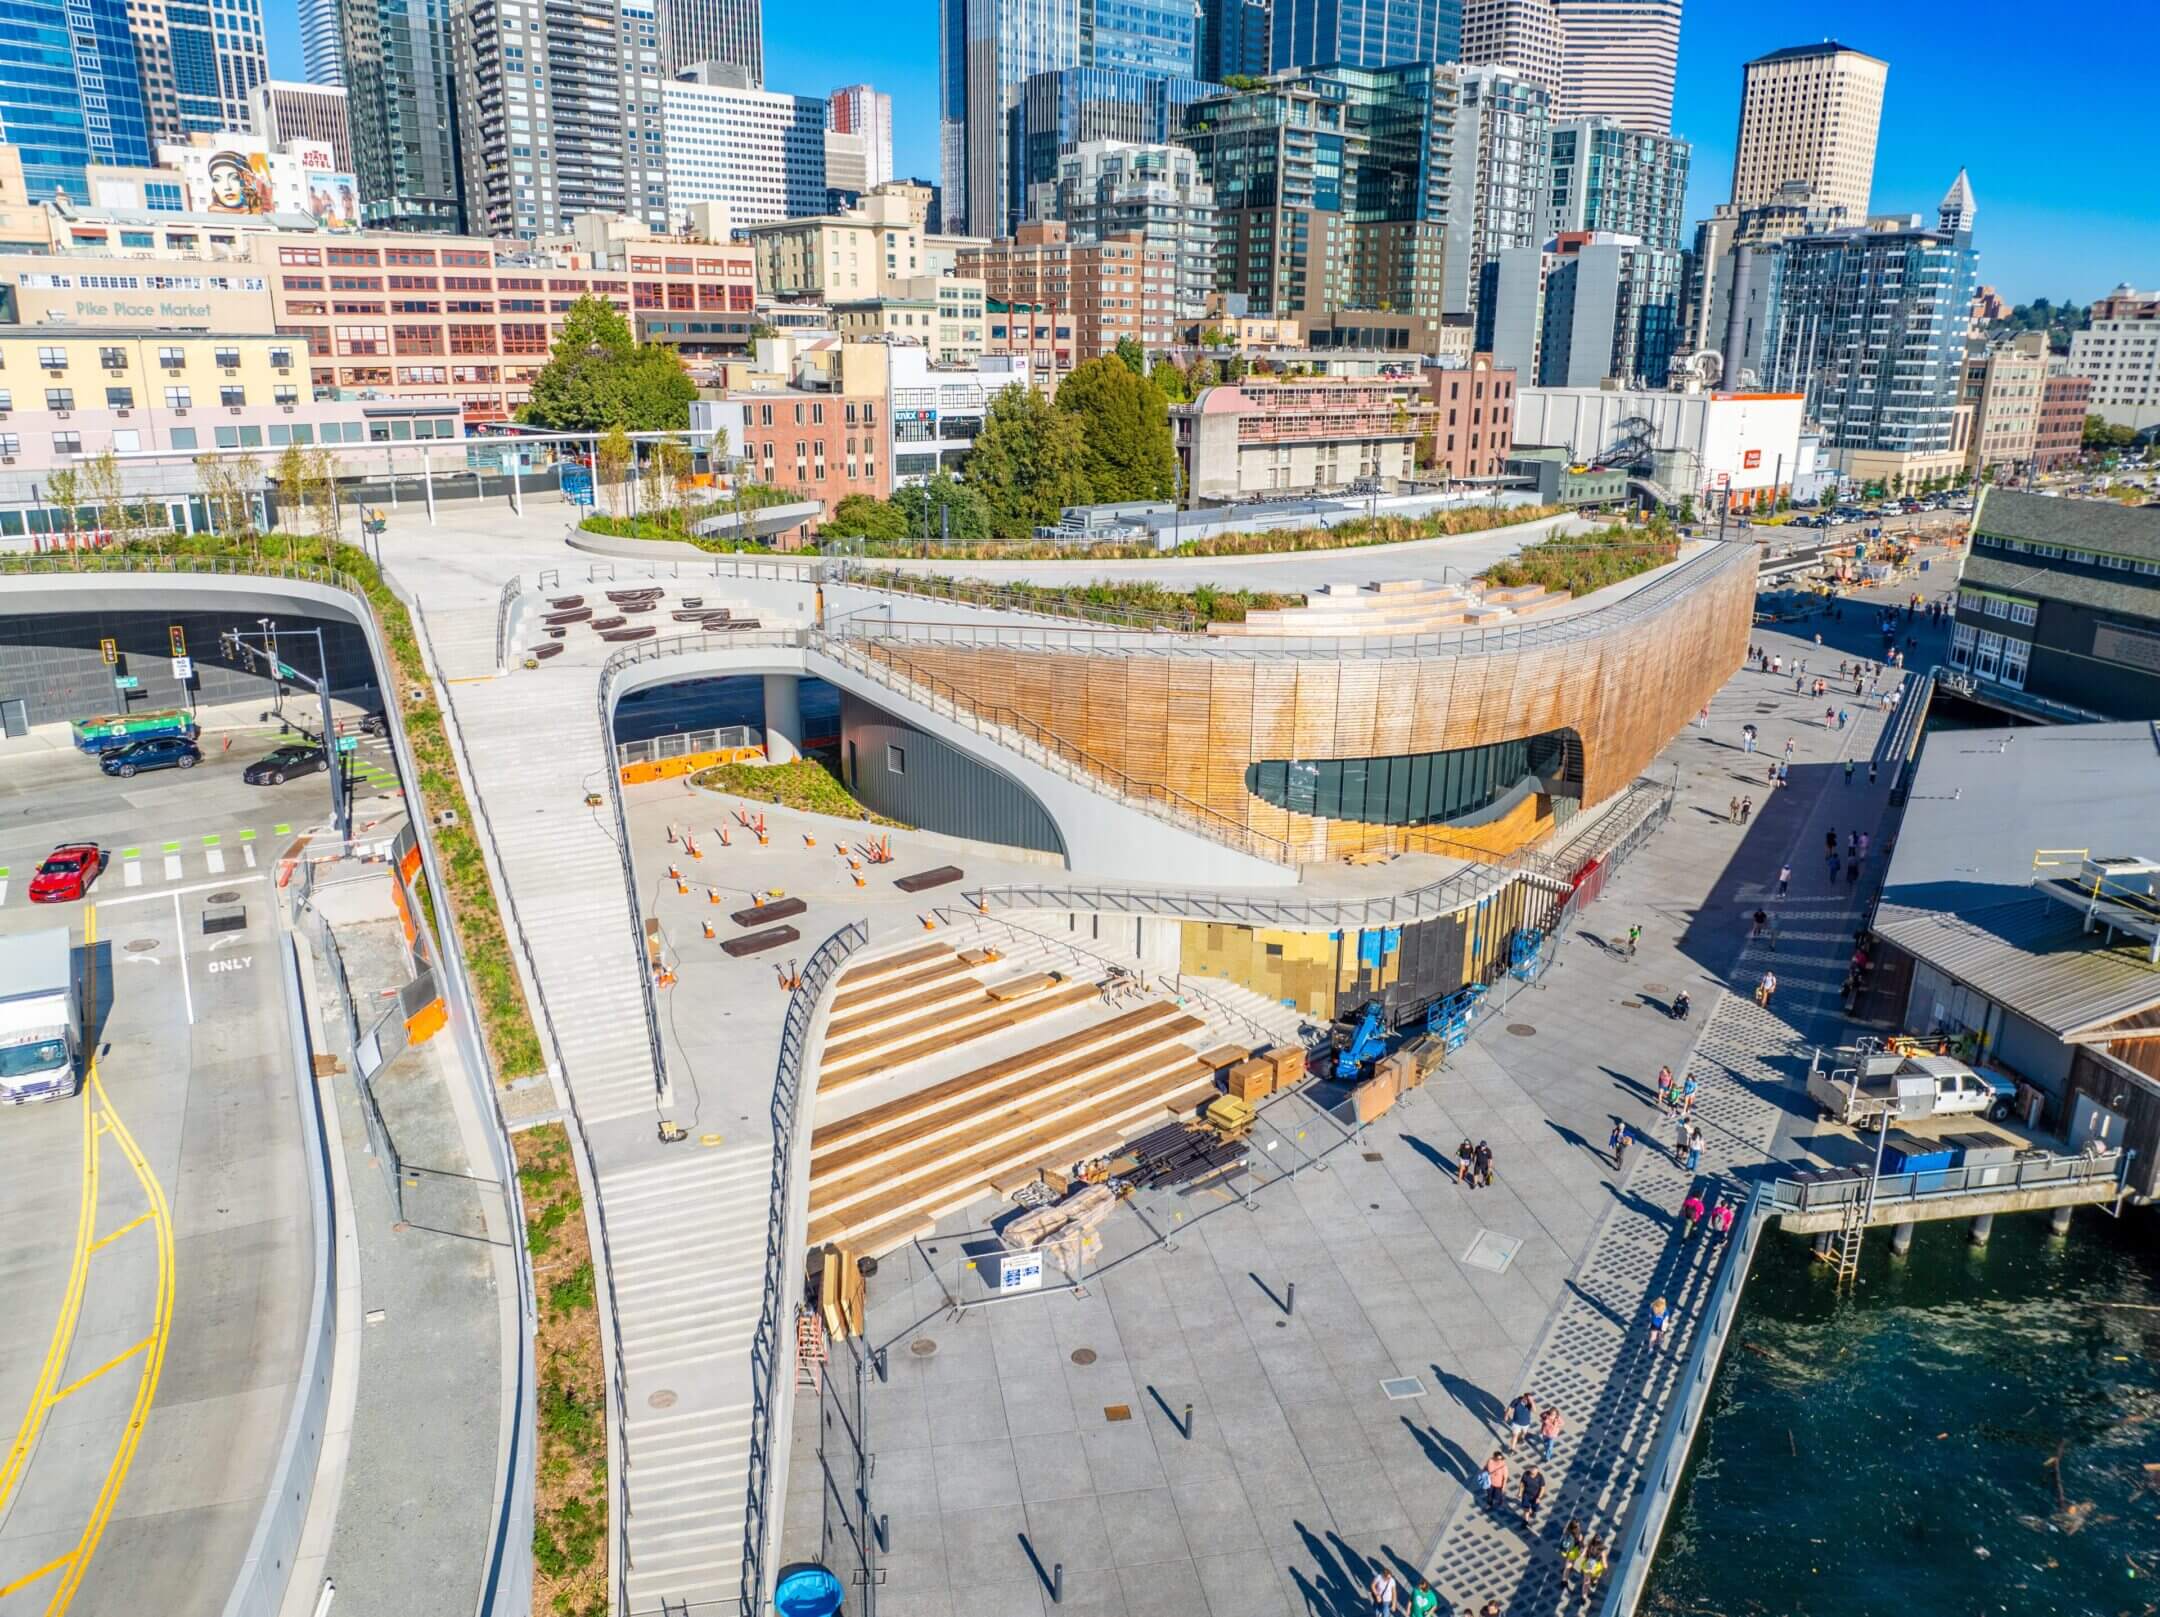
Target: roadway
<point>155,1242</point>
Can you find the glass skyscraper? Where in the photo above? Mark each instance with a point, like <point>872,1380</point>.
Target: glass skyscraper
<point>69,92</point>
<point>402,108</point>
<point>1059,111</point>
<point>1364,33</point>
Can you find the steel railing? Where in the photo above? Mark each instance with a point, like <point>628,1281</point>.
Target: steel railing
<point>774,1343</point>
<point>2027,1172</point>
<point>503,603</point>
<point>682,743</point>
<point>1635,1549</point>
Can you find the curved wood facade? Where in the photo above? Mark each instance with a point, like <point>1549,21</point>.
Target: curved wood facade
<point>1184,726</point>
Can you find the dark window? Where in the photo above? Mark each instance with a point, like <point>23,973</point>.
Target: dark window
<point>1426,788</point>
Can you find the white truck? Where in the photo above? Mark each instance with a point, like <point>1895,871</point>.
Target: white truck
<point>1869,1086</point>
<point>40,1018</point>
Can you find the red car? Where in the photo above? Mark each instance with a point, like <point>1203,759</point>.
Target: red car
<point>67,873</point>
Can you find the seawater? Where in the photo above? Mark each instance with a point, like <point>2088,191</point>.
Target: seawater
<point>1967,1431</point>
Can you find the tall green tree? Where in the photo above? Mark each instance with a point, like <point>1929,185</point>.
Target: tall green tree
<point>598,376</point>
<point>1173,382</point>
<point>864,516</point>
<point>1134,356</point>
<point>1029,461</point>
<point>1125,427</point>
<point>943,508</point>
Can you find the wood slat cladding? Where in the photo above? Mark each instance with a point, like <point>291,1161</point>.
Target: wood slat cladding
<point>1190,725</point>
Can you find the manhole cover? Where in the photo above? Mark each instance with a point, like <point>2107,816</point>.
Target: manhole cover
<point>1493,1251</point>
<point>1083,1355</point>
<point>224,898</point>
<point>141,945</point>
<point>1403,1387</point>
<point>922,1347</point>
<point>1521,1030</point>
<point>1654,988</point>
<point>663,1399</point>
<point>1374,1156</point>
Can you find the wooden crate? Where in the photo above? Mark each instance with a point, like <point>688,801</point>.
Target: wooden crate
<point>1374,1096</point>
<point>1289,1062</point>
<point>1253,1080</point>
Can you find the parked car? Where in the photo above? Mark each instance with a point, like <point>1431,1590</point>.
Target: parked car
<point>280,765</point>
<point>375,724</point>
<point>67,872</point>
<point>152,752</point>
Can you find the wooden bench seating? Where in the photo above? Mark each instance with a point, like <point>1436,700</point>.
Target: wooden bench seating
<point>844,1035</point>
<point>901,984</point>
<point>967,1105</point>
<point>1025,1135</point>
<point>1013,988</point>
<point>757,942</point>
<point>883,1053</point>
<point>923,880</point>
<point>780,909</point>
<point>871,971</point>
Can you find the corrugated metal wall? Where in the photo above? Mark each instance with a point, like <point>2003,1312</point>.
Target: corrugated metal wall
<point>897,770</point>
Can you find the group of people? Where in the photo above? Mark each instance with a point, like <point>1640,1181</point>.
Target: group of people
<point>1473,1165</point>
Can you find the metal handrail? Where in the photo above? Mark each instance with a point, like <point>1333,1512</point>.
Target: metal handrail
<point>1636,1548</point>
<point>682,743</point>
<point>769,1346</point>
<point>510,592</point>
<point>1795,1196</point>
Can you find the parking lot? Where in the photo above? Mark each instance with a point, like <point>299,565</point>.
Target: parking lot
<point>154,1232</point>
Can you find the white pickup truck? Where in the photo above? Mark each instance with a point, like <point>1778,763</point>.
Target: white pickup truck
<point>40,1018</point>
<point>1866,1087</point>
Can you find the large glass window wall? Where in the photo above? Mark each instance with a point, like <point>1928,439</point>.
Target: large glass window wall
<point>1423,788</point>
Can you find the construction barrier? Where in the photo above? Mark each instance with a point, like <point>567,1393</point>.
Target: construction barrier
<point>688,763</point>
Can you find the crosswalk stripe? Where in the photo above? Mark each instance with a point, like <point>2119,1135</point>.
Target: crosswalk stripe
<point>172,867</point>
<point>248,850</point>
<point>216,857</point>
<point>131,873</point>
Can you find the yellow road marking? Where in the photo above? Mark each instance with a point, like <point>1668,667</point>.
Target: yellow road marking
<point>117,1359</point>
<point>29,1578</point>
<point>63,1333</point>
<point>104,1241</point>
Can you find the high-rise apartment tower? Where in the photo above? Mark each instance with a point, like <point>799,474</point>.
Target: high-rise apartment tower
<point>1809,114</point>
<point>1618,60</point>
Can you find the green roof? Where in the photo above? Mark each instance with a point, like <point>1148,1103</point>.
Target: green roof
<point>2132,594</point>
<point>2097,525</point>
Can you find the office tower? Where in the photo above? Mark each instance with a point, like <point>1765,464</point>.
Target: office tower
<point>1522,36</point>
<point>857,109</point>
<point>760,152</point>
<point>729,32</point>
<point>1610,178</point>
<point>1107,188</point>
<point>1502,134</point>
<point>952,109</point>
<point>1955,211</point>
<point>2119,351</point>
<point>1870,326</point>
<point>558,113</point>
<point>199,64</point>
<point>1364,33</point>
<point>400,102</point>
<point>280,110</point>
<point>321,58</point>
<point>1582,310</point>
<point>69,94</point>
<point>1809,114</point>
<point>1059,112</point>
<point>1233,38</point>
<point>1733,274</point>
<point>1618,59</point>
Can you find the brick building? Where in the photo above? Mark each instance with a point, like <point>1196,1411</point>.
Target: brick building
<point>1102,290</point>
<point>2064,404</point>
<point>1472,421</point>
<point>826,445</point>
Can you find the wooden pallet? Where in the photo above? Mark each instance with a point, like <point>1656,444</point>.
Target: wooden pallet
<point>963,1113</point>
<point>943,1032</point>
<point>1134,1093</point>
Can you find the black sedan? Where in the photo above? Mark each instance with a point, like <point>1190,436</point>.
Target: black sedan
<point>287,761</point>
<point>152,752</point>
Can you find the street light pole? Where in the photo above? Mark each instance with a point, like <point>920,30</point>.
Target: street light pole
<point>340,796</point>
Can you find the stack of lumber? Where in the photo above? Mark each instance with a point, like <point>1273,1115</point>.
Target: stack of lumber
<point>884,1175</point>
<point>839,1291</point>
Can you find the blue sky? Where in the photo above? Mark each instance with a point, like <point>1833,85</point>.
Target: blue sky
<point>2038,105</point>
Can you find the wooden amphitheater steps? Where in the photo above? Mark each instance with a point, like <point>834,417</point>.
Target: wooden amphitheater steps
<point>917,1223</point>
<point>896,1125</point>
<point>884,966</point>
<point>901,1009</point>
<point>867,1201</point>
<point>872,1056</point>
<point>896,985</point>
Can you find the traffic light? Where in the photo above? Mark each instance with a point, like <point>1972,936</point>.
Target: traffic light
<point>228,642</point>
<point>110,650</point>
<point>179,640</point>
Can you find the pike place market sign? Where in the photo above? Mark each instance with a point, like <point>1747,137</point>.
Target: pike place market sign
<point>162,309</point>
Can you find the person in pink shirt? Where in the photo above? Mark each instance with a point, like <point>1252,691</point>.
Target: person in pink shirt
<point>1691,1213</point>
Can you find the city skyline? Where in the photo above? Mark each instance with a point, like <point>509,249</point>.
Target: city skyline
<point>2056,228</point>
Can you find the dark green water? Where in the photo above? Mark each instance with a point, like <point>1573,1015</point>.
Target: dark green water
<point>1890,1452</point>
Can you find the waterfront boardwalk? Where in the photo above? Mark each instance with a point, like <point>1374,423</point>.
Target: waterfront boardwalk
<point>1047,1434</point>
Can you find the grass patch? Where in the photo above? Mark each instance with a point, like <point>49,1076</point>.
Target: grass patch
<point>506,1023</point>
<point>1583,563</point>
<point>674,522</point>
<point>570,1503</point>
<point>1133,602</point>
<point>805,784</point>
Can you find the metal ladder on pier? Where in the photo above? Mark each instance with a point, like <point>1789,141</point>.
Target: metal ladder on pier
<point>1844,1253</point>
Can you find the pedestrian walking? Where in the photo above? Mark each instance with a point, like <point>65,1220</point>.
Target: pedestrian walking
<point>1688,1092</point>
<point>1747,804</point>
<point>1691,1216</point>
<point>1721,1220</point>
<point>1549,1425</point>
<point>1660,1320</point>
<point>1863,845</point>
<point>1765,989</point>
<point>1617,1143</point>
<point>1747,738</point>
<point>1789,741</point>
<point>1572,1548</point>
<point>1533,1491</point>
<point>1830,859</point>
<point>1664,1089</point>
<point>1783,773</point>
<point>1777,663</point>
<point>1496,1481</point>
<point>1423,1602</point>
<point>1634,936</point>
<point>1465,1162</point>
<point>1521,1420</point>
<point>1694,1148</point>
<point>1679,1137</point>
<point>1842,716</point>
<point>1784,880</point>
<point>1594,1565</point>
<point>1852,872</point>
<point>1848,766</point>
<point>1871,772</point>
<point>1732,810</point>
<point>1829,840</point>
<point>1482,1165</point>
<point>1385,1593</point>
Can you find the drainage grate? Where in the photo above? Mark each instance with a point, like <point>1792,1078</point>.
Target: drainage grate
<point>224,898</point>
<point>1403,1387</point>
<point>1374,1156</point>
<point>922,1347</point>
<point>1492,1250</point>
<point>1083,1355</point>
<point>1521,1030</point>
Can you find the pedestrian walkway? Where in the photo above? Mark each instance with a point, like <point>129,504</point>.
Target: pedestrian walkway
<point>1595,1361</point>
